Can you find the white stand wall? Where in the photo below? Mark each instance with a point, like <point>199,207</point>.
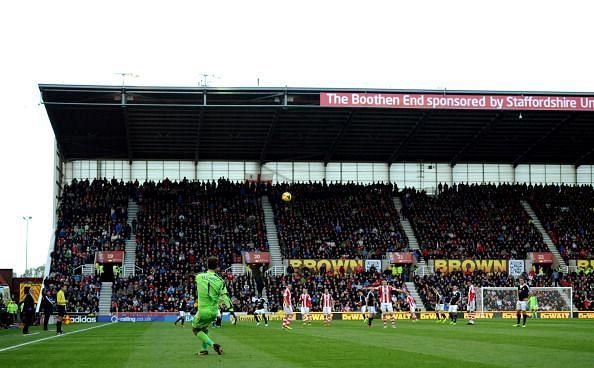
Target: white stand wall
<point>405,174</point>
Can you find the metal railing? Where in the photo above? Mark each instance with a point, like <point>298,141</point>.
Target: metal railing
<point>88,269</point>
<point>129,270</point>
<point>424,271</point>
<point>275,271</point>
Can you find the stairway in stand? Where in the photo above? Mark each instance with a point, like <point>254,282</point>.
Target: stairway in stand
<point>412,239</point>
<point>129,268</point>
<point>105,298</point>
<point>413,245</point>
<point>547,239</point>
<point>276,259</point>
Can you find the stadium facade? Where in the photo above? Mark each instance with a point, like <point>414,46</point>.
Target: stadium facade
<point>413,138</point>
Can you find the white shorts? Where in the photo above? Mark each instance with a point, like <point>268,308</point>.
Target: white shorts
<point>387,308</point>
<point>288,310</point>
<point>363,308</point>
<point>326,310</point>
<point>370,309</point>
<point>471,307</point>
<point>304,310</point>
<point>521,305</point>
<point>412,308</point>
<point>182,313</point>
<point>260,311</point>
<point>439,307</point>
<point>453,309</point>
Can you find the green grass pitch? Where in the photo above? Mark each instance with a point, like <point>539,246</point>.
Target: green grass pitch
<point>490,343</point>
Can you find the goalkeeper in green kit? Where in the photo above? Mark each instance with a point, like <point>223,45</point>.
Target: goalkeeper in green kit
<point>211,291</point>
<point>533,304</point>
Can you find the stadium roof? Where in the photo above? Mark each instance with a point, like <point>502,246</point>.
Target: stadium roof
<point>290,124</point>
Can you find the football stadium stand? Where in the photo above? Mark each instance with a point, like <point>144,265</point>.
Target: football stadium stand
<point>468,221</point>
<point>196,163</point>
<point>332,221</point>
<point>91,217</point>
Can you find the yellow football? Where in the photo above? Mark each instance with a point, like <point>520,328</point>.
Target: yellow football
<point>287,197</point>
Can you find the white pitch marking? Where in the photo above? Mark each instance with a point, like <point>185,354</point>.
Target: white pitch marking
<point>51,337</point>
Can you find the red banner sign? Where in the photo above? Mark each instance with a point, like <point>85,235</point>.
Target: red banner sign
<point>463,102</point>
<point>541,257</point>
<point>115,256</point>
<point>256,257</point>
<point>400,257</point>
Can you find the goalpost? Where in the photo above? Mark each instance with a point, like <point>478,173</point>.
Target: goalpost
<point>503,299</point>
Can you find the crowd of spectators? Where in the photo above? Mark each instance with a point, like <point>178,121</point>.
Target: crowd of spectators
<point>82,292</point>
<point>504,300</point>
<point>472,221</point>
<point>331,221</point>
<point>142,294</point>
<point>567,214</point>
<point>243,291</point>
<point>344,287</point>
<point>179,225</point>
<point>92,217</point>
<point>442,283</point>
<point>583,288</point>
<point>158,292</point>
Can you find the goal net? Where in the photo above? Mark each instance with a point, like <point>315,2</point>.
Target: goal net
<point>503,299</point>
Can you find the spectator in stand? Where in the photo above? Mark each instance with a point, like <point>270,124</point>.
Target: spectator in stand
<point>583,288</point>
<point>179,225</point>
<point>343,287</point>
<point>567,214</point>
<point>82,292</point>
<point>472,221</point>
<point>332,221</point>
<point>189,220</point>
<point>494,301</point>
<point>91,217</point>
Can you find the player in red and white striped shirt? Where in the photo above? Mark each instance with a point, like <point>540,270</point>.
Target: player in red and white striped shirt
<point>471,303</point>
<point>385,299</point>
<point>305,304</point>
<point>288,308</point>
<point>326,302</point>
<point>412,306</point>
